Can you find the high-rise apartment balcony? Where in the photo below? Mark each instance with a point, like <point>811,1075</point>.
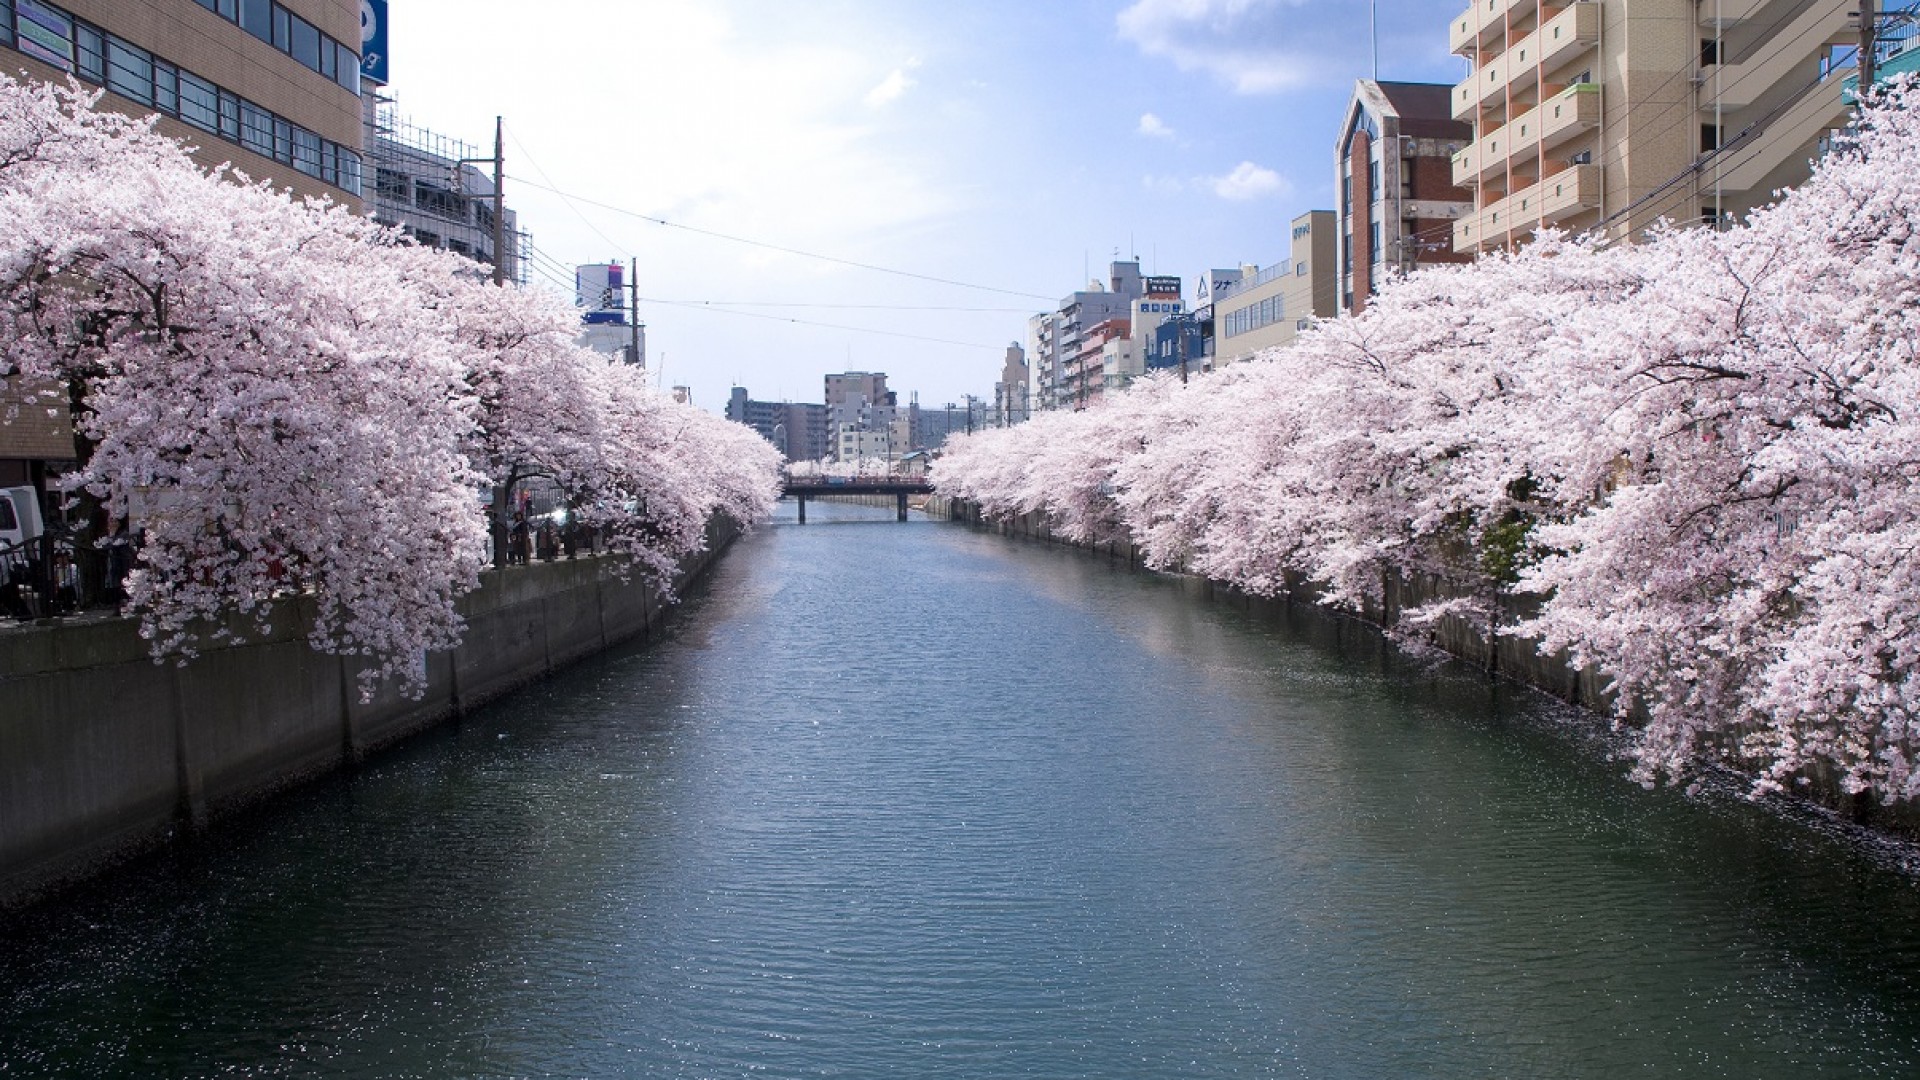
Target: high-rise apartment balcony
<point>1558,42</point>
<point>1568,34</point>
<point>1482,21</point>
<point>1569,193</point>
<point>1570,113</point>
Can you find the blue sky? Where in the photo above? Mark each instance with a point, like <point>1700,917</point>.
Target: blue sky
<point>1001,144</point>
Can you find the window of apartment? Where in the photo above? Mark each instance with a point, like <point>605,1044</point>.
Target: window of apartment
<point>1373,180</point>
<point>1373,255</point>
<point>129,71</point>
<point>1300,324</point>
<point>1300,270</point>
<point>282,141</point>
<point>1709,52</point>
<point>1709,138</point>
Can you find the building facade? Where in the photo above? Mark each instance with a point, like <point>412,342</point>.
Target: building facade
<point>1398,197</point>
<point>1061,354</point>
<point>433,187</point>
<point>600,292</point>
<point>1612,115</point>
<point>1269,308</point>
<point>797,428</point>
<point>1013,393</point>
<point>273,87</point>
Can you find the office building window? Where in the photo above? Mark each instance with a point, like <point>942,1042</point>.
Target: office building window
<point>166,88</point>
<point>256,129</point>
<point>229,117</point>
<point>199,102</point>
<point>90,52</point>
<point>130,71</point>
<point>256,18</point>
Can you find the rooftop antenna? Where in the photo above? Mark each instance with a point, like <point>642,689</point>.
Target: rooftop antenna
<point>1373,31</point>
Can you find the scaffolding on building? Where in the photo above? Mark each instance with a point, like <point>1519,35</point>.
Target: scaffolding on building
<point>433,187</point>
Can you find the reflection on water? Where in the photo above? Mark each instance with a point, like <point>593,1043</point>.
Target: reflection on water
<point>910,800</point>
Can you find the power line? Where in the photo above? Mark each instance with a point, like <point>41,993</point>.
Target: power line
<point>809,322</point>
<point>788,250</point>
<point>840,307</point>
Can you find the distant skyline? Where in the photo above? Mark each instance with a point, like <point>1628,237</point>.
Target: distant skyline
<point>1013,147</point>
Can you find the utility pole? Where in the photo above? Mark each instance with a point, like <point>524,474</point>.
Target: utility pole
<point>499,203</point>
<point>633,290</point>
<point>1869,26</point>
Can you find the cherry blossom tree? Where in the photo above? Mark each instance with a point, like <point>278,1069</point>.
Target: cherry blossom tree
<point>288,398</point>
<point>1696,453</point>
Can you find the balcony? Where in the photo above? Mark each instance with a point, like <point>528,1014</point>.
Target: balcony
<point>1568,193</point>
<point>1568,34</point>
<point>1487,81</point>
<point>1466,168</point>
<point>1570,113</point>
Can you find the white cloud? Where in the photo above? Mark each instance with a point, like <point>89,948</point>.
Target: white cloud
<point>1153,127</point>
<point>1249,181</point>
<point>895,84</point>
<point>1254,46</point>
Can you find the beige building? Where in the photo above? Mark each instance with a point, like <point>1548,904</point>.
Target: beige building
<point>1615,114</point>
<point>273,87</point>
<point>1270,307</point>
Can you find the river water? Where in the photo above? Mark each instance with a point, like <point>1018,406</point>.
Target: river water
<point>916,801</point>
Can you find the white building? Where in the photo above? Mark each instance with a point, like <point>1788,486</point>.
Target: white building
<point>600,292</point>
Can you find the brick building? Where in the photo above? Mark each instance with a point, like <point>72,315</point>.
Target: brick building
<point>1394,173</point>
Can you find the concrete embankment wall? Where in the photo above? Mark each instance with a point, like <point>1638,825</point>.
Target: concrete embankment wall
<point>1514,658</point>
<point>104,752</point>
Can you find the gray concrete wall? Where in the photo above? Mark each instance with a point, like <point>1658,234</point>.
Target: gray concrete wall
<point>103,751</point>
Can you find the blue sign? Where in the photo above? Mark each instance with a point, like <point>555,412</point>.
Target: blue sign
<point>373,40</point>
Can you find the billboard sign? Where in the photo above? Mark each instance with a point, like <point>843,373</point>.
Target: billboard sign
<point>373,40</point>
<point>1163,286</point>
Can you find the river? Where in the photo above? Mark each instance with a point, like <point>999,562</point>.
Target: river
<point>918,801</point>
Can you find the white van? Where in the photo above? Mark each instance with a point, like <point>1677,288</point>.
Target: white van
<point>19,517</point>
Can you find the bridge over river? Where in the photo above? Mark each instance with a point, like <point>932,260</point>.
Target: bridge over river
<point>802,488</point>
<point>920,801</point>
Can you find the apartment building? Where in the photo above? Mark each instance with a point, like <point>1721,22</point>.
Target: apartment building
<point>797,428</point>
<point>1268,308</point>
<point>1057,337</point>
<point>1398,194</point>
<point>272,87</point>
<point>1615,114</point>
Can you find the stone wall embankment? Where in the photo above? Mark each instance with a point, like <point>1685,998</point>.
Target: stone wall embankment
<point>104,752</point>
